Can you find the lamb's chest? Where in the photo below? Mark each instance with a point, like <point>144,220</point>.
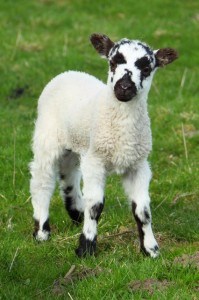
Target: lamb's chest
<point>127,150</point>
<point>130,154</point>
<point>123,137</point>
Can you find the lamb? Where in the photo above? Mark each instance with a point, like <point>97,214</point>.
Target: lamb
<point>87,129</point>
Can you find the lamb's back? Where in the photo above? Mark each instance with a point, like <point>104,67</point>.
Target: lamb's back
<point>66,107</point>
<point>71,88</point>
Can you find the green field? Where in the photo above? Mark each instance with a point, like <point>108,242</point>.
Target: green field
<point>42,38</point>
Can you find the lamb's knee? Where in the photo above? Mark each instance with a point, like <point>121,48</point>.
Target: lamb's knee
<point>141,214</point>
<point>96,210</point>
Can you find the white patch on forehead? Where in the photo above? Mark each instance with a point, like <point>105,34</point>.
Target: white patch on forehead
<point>132,50</point>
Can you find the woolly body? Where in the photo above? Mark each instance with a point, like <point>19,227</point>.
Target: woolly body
<point>118,133</point>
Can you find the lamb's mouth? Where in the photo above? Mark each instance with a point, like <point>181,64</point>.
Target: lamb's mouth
<point>125,96</point>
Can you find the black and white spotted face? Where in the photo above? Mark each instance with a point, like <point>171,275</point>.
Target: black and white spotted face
<point>132,64</point>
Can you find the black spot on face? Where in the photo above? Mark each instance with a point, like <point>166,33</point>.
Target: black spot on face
<point>143,64</point>
<point>129,73</point>
<point>119,58</point>
<point>86,246</point>
<point>113,66</point>
<point>116,60</point>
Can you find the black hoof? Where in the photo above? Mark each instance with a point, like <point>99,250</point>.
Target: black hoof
<point>144,251</point>
<point>86,247</point>
<point>152,252</point>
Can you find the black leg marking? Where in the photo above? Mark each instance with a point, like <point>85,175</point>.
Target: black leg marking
<point>86,246</point>
<point>147,216</point>
<point>140,229</point>
<point>96,211</point>
<point>36,228</point>
<point>62,176</point>
<point>46,226</point>
<point>75,215</point>
<point>68,190</point>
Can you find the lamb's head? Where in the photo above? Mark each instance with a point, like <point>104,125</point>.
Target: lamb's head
<point>132,64</point>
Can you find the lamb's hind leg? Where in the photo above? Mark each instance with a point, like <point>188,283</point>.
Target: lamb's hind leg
<point>43,169</point>
<point>42,186</point>
<point>70,177</point>
<point>136,184</point>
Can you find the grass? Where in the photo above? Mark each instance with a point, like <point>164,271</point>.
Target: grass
<point>40,39</point>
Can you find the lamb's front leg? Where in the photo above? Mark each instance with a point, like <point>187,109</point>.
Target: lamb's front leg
<point>136,184</point>
<point>93,193</point>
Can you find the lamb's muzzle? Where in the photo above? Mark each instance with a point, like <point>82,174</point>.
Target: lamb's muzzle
<point>125,88</point>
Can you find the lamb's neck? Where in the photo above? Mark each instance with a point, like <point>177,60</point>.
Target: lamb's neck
<point>138,105</point>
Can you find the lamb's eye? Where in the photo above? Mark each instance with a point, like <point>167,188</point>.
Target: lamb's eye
<point>146,71</point>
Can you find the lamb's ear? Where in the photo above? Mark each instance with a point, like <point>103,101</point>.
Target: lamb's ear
<point>165,56</point>
<point>101,43</point>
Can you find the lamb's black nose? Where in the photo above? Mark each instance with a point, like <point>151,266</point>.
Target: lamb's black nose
<point>125,88</point>
<point>126,82</point>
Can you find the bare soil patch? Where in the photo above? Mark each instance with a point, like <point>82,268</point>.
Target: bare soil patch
<point>149,285</point>
<point>188,260</point>
<point>72,276</point>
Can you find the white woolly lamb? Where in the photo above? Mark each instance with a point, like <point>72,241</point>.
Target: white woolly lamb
<point>87,129</point>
